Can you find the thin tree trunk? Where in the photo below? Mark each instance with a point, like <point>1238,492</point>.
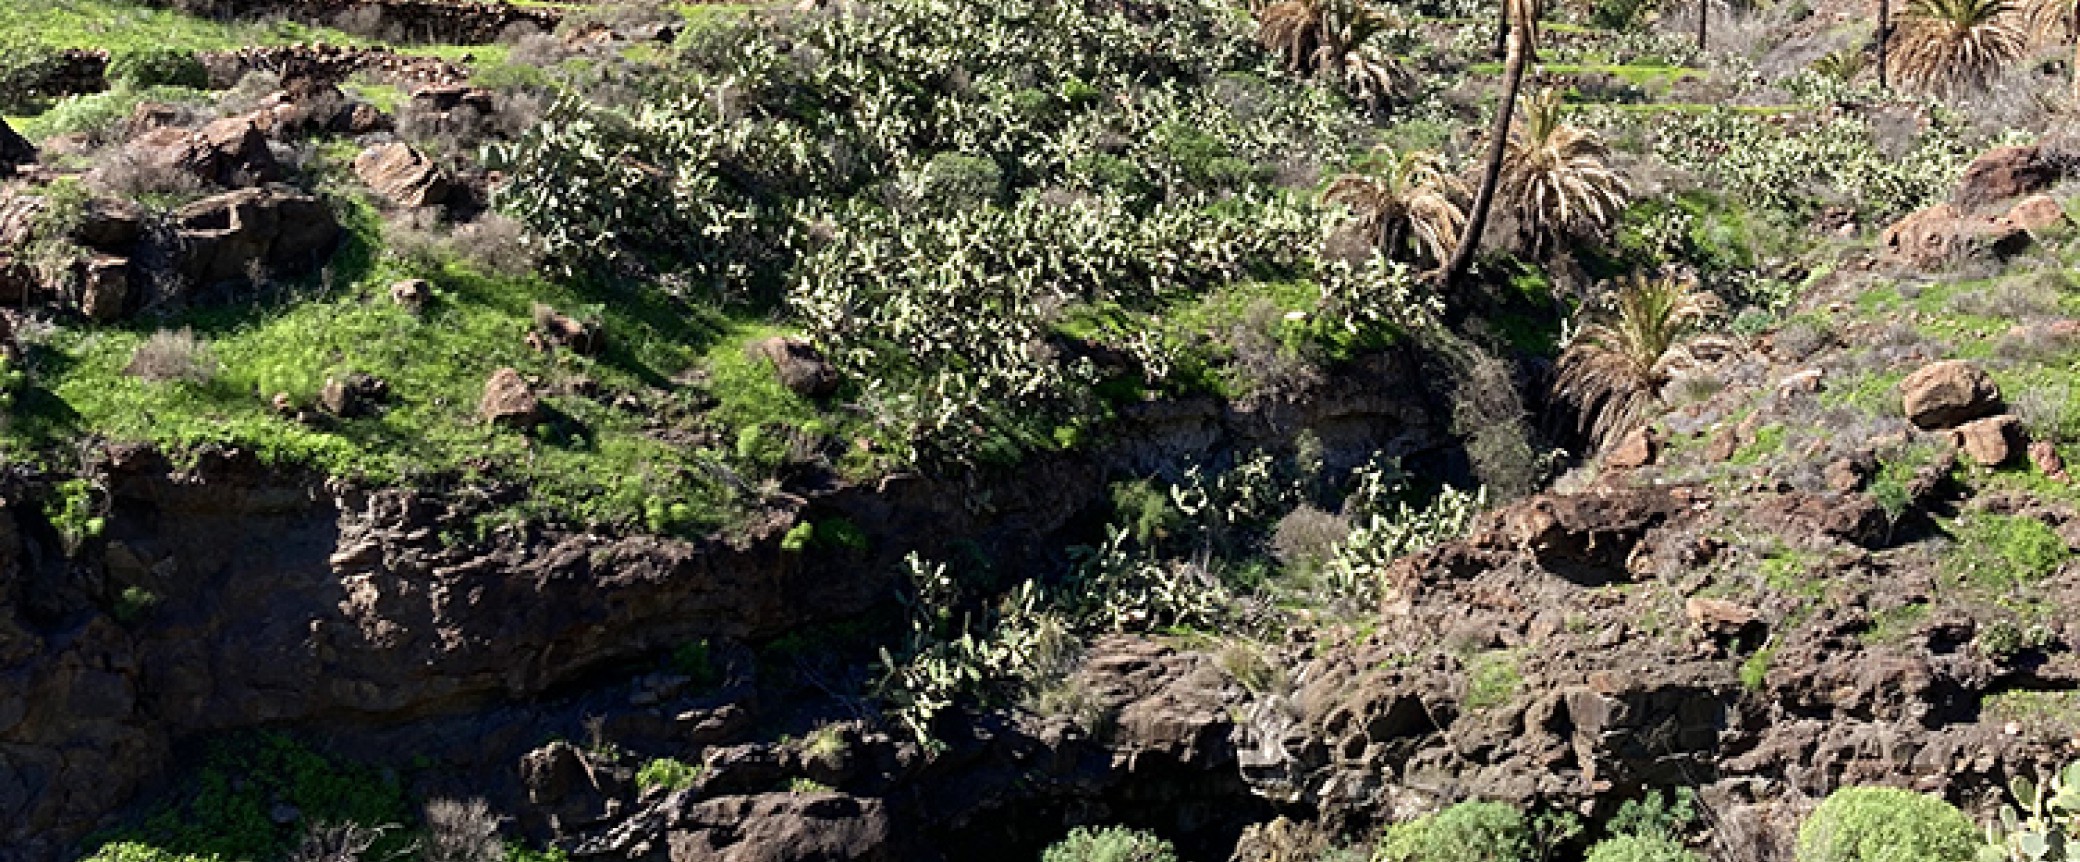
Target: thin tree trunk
<point>1502,26</point>
<point>1704,10</point>
<point>1884,45</point>
<point>1519,45</point>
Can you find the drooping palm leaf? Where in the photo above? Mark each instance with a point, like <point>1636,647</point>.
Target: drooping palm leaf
<point>1612,373</point>
<point>1557,177</point>
<point>1409,208</point>
<point>1956,46</point>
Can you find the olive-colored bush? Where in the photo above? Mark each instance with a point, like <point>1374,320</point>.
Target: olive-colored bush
<point>1885,824</point>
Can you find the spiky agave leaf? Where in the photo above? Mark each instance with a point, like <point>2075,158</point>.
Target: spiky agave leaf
<point>1956,46</point>
<point>1557,177</point>
<point>1409,208</point>
<point>1612,373</point>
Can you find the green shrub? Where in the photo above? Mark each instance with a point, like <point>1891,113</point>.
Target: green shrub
<point>25,66</point>
<point>1641,848</point>
<point>221,811</point>
<point>2003,551</point>
<point>1885,824</point>
<point>1466,832</point>
<point>1110,844</point>
<point>156,66</point>
<point>669,774</point>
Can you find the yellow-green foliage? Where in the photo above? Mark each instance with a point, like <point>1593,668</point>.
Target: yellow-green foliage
<point>1884,824</point>
<point>2003,552</point>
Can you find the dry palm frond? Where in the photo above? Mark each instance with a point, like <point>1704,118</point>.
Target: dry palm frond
<point>2052,22</point>
<point>1954,46</point>
<point>1335,38</point>
<point>1557,176</point>
<point>1612,373</point>
<point>1410,209</point>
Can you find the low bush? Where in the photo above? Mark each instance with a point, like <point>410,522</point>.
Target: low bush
<point>1885,824</point>
<point>1466,832</point>
<point>1110,844</point>
<point>156,66</point>
<point>1641,848</point>
<point>25,66</point>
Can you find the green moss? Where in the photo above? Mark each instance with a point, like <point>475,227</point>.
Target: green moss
<point>1754,671</point>
<point>1894,625</point>
<point>1492,679</point>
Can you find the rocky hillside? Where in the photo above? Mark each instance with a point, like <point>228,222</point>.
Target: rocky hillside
<point>486,432</point>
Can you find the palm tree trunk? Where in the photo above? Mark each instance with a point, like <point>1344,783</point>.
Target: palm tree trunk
<point>1519,45</point>
<point>1704,9</point>
<point>1502,26</point>
<point>1884,45</point>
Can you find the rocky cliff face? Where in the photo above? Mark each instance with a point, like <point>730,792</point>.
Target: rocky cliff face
<point>223,595</point>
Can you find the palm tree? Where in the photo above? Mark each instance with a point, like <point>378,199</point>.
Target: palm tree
<point>1612,372</point>
<point>1334,38</point>
<point>1952,46</point>
<point>1409,208</point>
<point>1522,16</point>
<point>1557,176</point>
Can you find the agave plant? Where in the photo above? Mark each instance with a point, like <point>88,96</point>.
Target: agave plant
<point>1956,46</point>
<point>1612,372</point>
<point>1556,176</point>
<point>1335,38</point>
<point>1409,207</point>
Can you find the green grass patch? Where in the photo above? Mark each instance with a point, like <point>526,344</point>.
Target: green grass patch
<point>1769,440</point>
<point>1894,625</point>
<point>120,25</point>
<point>1789,570</point>
<point>2002,552</point>
<point>593,463</point>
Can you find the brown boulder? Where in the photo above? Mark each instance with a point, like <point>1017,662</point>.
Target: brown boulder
<point>14,149</point>
<point>800,366</point>
<point>1942,235</point>
<point>412,293</point>
<point>509,400</point>
<point>354,395</point>
<point>782,827</point>
<point>110,224</point>
<point>228,152</point>
<point>402,174</point>
<point>2003,173</point>
<point>1947,394</point>
<point>2044,454</point>
<point>275,229</point>
<point>579,336</point>
<point>104,287</point>
<point>1992,441</point>
<point>1636,449</point>
<point>359,118</point>
<point>2038,214</point>
<point>1719,617</point>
